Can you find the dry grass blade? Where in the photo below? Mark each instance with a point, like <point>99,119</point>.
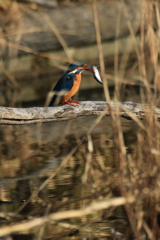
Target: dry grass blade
<point>66,215</point>
<point>63,164</point>
<point>29,50</point>
<point>11,78</point>
<point>125,81</point>
<point>38,30</point>
<point>58,34</point>
<point>41,232</point>
<point>116,54</point>
<point>131,30</point>
<point>100,49</point>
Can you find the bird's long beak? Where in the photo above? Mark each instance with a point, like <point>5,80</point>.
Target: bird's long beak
<point>87,67</point>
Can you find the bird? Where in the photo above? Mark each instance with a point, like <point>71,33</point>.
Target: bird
<point>68,84</point>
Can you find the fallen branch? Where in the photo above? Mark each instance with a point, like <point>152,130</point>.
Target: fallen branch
<point>127,110</point>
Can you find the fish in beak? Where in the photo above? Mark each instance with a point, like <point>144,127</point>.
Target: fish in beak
<point>95,71</point>
<point>96,74</point>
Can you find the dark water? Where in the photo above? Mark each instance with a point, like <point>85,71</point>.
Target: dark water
<point>31,153</point>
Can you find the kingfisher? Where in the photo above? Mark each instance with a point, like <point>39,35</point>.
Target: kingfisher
<point>69,84</point>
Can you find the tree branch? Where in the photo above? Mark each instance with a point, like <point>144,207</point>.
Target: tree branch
<point>19,116</point>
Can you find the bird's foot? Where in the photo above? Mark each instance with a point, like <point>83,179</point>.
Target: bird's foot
<point>69,103</point>
<point>74,101</point>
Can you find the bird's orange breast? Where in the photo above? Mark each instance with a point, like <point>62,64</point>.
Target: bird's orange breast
<point>73,90</point>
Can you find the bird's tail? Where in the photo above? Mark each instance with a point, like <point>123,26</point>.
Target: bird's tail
<point>53,98</point>
<point>53,101</point>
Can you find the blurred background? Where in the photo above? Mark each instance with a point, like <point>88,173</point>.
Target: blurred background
<point>40,38</point>
<point>106,157</point>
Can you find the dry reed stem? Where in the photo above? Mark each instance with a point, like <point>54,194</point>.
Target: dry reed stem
<point>63,164</point>
<point>11,78</point>
<point>118,135</point>
<point>88,159</point>
<point>29,50</point>
<point>139,52</point>
<point>116,54</point>
<point>119,141</point>
<point>38,30</point>
<point>100,49</point>
<point>57,34</point>
<point>142,60</point>
<point>152,42</point>
<point>96,206</point>
<point>131,29</point>
<point>41,230</point>
<point>148,231</point>
<point>125,81</point>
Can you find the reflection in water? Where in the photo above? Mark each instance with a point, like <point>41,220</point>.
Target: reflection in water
<point>31,153</point>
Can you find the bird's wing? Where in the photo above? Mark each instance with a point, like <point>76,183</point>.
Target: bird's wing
<point>64,84</point>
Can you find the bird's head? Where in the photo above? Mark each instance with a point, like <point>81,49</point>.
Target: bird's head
<point>79,65</point>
